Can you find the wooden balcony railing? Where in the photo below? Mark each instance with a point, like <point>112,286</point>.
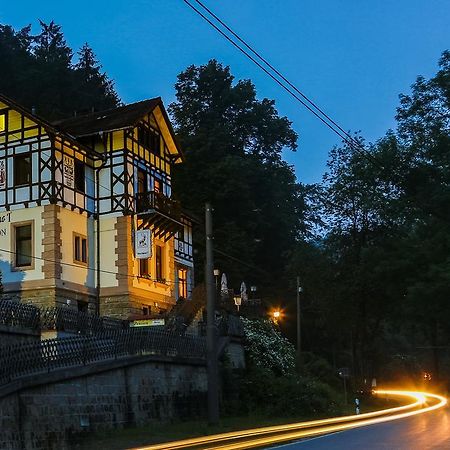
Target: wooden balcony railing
<point>157,202</point>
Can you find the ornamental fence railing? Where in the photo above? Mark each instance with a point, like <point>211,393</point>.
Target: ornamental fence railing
<point>49,355</point>
<point>57,318</point>
<point>15,314</point>
<point>61,318</point>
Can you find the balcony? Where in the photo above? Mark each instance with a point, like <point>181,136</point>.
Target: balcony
<point>160,212</point>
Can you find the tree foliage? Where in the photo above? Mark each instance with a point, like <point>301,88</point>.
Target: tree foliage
<point>233,144</point>
<point>385,252</point>
<point>38,71</point>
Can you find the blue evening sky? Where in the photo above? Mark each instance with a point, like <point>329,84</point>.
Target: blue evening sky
<point>353,57</point>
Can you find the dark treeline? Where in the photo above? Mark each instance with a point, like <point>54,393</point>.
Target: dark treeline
<point>38,71</point>
<point>377,280</point>
<point>371,243</point>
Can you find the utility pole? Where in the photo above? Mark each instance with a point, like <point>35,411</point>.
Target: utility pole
<point>211,334</point>
<point>299,329</point>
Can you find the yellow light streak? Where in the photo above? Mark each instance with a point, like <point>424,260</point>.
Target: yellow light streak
<point>308,429</point>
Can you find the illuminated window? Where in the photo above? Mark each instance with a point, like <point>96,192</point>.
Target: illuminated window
<point>157,186</point>
<point>141,181</point>
<point>23,243</point>
<point>2,123</point>
<point>159,272</point>
<point>144,267</point>
<point>182,283</point>
<point>22,169</point>
<point>80,249</point>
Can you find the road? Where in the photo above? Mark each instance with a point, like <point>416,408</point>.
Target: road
<point>421,432</point>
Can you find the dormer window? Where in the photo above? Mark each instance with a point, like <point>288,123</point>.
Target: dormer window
<point>149,139</point>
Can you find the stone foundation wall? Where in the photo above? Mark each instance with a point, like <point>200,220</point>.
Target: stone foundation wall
<point>50,416</point>
<point>50,297</point>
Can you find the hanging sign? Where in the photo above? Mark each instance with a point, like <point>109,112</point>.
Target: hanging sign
<point>143,245</point>
<point>68,167</point>
<point>2,174</point>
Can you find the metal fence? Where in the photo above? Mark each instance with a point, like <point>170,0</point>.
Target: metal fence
<point>58,318</point>
<point>15,314</point>
<point>62,318</point>
<point>46,356</point>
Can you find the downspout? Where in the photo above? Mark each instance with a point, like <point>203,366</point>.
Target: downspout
<point>97,207</point>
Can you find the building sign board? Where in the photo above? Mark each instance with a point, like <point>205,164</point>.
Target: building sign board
<point>148,323</point>
<point>69,170</point>
<point>143,244</point>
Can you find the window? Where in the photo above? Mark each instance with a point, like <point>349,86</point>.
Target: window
<point>159,263</point>
<point>80,249</point>
<point>149,139</point>
<point>80,176</point>
<point>23,245</point>
<point>2,123</point>
<point>22,169</point>
<point>145,310</point>
<point>182,283</point>
<point>157,186</point>
<point>143,267</point>
<point>141,181</point>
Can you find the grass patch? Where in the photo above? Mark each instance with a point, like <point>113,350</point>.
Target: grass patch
<point>160,432</point>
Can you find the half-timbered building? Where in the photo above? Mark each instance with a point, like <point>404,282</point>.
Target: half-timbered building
<point>74,196</point>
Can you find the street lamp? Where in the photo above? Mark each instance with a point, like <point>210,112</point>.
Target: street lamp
<point>276,315</point>
<point>237,301</point>
<point>216,276</point>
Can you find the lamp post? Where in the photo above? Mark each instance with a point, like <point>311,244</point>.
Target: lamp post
<point>299,329</point>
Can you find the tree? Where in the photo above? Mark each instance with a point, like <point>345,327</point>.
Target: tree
<point>233,143</point>
<point>95,88</point>
<point>37,71</point>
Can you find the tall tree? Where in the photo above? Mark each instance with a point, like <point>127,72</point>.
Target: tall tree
<point>233,144</point>
<point>95,88</point>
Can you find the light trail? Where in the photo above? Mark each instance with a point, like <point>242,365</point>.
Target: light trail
<point>312,428</point>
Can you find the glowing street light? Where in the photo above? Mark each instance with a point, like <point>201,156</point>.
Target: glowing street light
<point>276,315</point>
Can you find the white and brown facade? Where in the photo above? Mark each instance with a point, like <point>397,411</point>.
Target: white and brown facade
<point>73,195</point>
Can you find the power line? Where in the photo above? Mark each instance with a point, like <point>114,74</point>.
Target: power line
<point>289,87</point>
<point>124,275</point>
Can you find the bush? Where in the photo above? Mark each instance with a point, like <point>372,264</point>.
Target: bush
<point>262,392</point>
<point>270,386</point>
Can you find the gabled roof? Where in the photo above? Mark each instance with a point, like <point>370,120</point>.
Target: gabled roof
<point>46,125</point>
<point>109,120</point>
<point>122,118</point>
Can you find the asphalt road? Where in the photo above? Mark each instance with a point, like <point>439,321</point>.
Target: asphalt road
<point>422,432</point>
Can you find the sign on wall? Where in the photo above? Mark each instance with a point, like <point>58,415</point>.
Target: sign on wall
<point>2,174</point>
<point>148,323</point>
<point>143,244</point>
<point>68,164</point>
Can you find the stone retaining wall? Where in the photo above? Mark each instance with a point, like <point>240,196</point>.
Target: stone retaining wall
<point>50,415</point>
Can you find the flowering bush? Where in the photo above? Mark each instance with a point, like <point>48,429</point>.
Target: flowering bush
<point>267,348</point>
